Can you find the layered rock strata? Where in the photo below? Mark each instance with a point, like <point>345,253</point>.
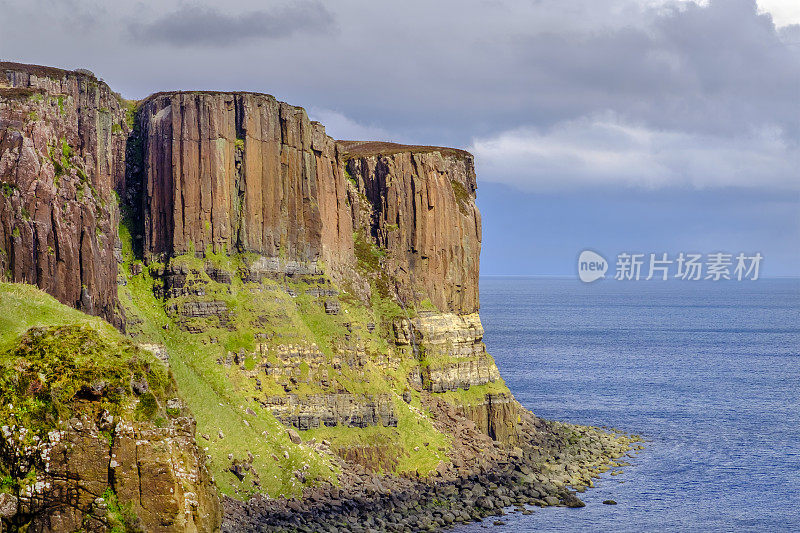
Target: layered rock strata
<point>329,410</point>
<point>454,354</point>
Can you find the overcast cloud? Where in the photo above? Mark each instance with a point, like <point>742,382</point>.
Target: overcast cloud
<point>193,24</point>
<point>549,94</point>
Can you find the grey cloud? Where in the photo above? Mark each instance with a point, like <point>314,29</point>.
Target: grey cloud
<point>198,25</point>
<point>714,76</point>
<point>715,69</point>
<point>605,150</point>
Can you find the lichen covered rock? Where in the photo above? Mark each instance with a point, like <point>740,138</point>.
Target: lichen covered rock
<point>87,440</point>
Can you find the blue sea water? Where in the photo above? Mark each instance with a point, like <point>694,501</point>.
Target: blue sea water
<point>708,373</point>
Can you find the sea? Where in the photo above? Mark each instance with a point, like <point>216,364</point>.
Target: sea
<point>708,373</point>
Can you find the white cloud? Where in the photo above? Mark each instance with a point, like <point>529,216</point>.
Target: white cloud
<point>784,12</point>
<point>605,150</point>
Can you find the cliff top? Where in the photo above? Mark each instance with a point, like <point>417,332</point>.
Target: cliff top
<point>350,148</point>
<point>224,93</point>
<point>373,148</point>
<point>43,71</point>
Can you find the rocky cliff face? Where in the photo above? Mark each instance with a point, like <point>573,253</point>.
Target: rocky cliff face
<point>92,435</point>
<point>241,172</point>
<point>156,473</point>
<point>62,144</point>
<point>295,280</point>
<point>421,210</point>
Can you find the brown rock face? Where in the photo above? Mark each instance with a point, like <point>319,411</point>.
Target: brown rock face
<point>423,213</point>
<point>244,172</point>
<point>62,140</point>
<point>327,410</point>
<point>158,472</point>
<point>222,171</point>
<point>241,172</point>
<point>497,416</point>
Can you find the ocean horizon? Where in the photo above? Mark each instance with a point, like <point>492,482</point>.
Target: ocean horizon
<point>706,372</point>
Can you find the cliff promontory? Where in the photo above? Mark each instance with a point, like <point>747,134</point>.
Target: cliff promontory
<point>315,302</point>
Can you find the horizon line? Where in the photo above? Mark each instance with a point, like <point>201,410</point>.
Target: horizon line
<point>565,276</point>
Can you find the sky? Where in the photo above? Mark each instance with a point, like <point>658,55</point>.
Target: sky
<point>616,125</point>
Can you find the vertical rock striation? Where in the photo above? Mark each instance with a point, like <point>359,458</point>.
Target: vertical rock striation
<point>62,142</point>
<point>241,172</point>
<point>422,203</point>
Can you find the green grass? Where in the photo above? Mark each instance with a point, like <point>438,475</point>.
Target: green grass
<point>265,314</point>
<point>131,107</point>
<point>476,394</point>
<point>51,367</point>
<point>121,518</point>
<point>8,189</point>
<point>25,306</point>
<point>217,396</point>
<point>367,254</point>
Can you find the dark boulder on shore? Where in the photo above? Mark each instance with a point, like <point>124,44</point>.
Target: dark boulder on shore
<point>570,500</point>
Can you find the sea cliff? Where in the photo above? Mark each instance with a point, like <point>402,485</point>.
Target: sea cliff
<point>314,303</point>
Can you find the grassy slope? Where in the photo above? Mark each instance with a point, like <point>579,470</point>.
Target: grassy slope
<point>24,306</point>
<point>266,314</point>
<point>218,407</point>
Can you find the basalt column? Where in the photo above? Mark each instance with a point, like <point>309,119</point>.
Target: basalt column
<point>241,172</point>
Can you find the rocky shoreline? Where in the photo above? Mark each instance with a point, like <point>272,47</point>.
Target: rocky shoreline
<point>558,461</point>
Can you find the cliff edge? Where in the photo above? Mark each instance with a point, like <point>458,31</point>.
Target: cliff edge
<point>316,300</point>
